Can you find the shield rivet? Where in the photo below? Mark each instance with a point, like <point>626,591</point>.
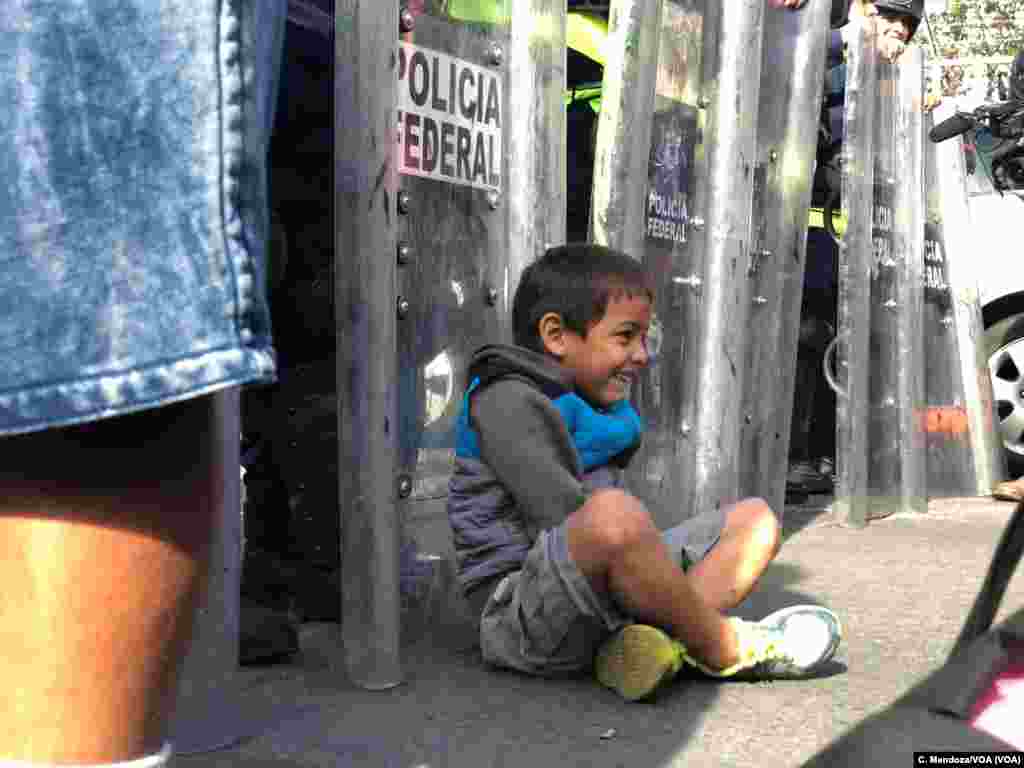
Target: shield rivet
<point>491,297</point>
<point>493,199</point>
<point>403,307</point>
<point>495,55</point>
<point>404,486</point>
<point>693,282</point>
<point>404,253</point>
<point>773,156</point>
<point>404,202</point>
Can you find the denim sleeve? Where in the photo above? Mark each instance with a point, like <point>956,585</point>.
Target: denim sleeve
<point>133,213</point>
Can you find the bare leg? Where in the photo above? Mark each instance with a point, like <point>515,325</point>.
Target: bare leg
<point>750,539</point>
<point>104,538</point>
<point>616,546</point>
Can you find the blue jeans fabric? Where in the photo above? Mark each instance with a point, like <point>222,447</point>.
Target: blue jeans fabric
<point>133,207</point>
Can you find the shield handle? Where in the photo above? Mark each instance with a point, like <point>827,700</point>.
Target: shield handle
<point>826,359</point>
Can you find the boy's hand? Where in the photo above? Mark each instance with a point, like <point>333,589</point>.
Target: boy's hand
<point>794,4</point>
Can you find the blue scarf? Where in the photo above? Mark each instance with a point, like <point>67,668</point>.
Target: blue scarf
<point>599,436</point>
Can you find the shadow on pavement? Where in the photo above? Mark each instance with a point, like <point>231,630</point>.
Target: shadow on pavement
<point>816,509</point>
<point>454,712</point>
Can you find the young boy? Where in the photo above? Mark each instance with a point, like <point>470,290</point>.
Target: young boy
<point>563,566</point>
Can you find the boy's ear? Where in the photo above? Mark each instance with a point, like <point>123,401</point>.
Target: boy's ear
<point>552,331</point>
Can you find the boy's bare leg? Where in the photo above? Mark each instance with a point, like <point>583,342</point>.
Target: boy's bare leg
<point>614,543</point>
<point>104,538</point>
<point>749,541</point>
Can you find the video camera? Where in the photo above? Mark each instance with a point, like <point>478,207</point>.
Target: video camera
<point>1005,122</point>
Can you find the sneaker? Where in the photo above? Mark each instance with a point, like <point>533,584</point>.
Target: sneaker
<point>790,643</point>
<point>827,467</point>
<point>637,660</point>
<point>808,477</point>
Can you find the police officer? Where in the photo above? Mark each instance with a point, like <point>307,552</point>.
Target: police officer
<point>812,437</point>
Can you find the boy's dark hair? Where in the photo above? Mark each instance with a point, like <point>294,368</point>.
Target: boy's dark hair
<point>576,281</point>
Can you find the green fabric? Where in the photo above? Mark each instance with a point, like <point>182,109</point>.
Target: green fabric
<point>587,33</point>
<point>589,92</point>
<point>817,219</point>
<point>482,11</point>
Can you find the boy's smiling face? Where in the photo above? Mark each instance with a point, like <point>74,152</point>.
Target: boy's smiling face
<point>606,361</point>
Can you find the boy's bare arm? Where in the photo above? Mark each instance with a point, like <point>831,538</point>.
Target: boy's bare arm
<point>525,442</point>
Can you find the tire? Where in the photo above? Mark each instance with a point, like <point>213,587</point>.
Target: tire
<point>1004,348</point>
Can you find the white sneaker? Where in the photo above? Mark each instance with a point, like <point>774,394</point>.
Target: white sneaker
<point>792,642</point>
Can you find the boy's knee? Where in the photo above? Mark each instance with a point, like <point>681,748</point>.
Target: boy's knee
<point>612,521</point>
<point>756,518</point>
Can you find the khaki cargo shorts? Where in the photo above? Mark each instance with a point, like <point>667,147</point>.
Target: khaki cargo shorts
<point>547,619</point>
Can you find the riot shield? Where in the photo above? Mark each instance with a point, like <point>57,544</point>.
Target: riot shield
<point>964,454</point>
<point>426,275</point>
<point>879,435</point>
<point>536,136</point>
<point>670,127</point>
<point>853,310</point>
<point>896,477</point>
<point>792,79</point>
<point>655,82</point>
<point>487,76</point>
<point>732,78</point>
<point>632,73</point>
<point>365,91</point>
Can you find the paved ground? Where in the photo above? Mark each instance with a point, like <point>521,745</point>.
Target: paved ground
<point>902,587</point>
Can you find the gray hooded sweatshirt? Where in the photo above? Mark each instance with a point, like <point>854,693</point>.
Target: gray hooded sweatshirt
<point>518,468</point>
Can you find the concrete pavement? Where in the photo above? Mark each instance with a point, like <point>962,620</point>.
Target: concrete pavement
<point>902,587</point>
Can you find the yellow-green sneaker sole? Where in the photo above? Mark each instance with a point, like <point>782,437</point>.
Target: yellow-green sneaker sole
<point>636,660</point>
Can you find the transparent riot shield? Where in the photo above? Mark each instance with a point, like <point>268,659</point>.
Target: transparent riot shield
<point>208,714</point>
<point>851,348</point>
<point>964,455</point>
<point>632,74</point>
<point>672,187</point>
<point>367,209</point>
<point>896,477</point>
<point>450,159</point>
<point>880,435</point>
<point>536,189</point>
<point>732,78</point>
<point>648,141</point>
<point>481,157</point>
<point>792,79</point>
